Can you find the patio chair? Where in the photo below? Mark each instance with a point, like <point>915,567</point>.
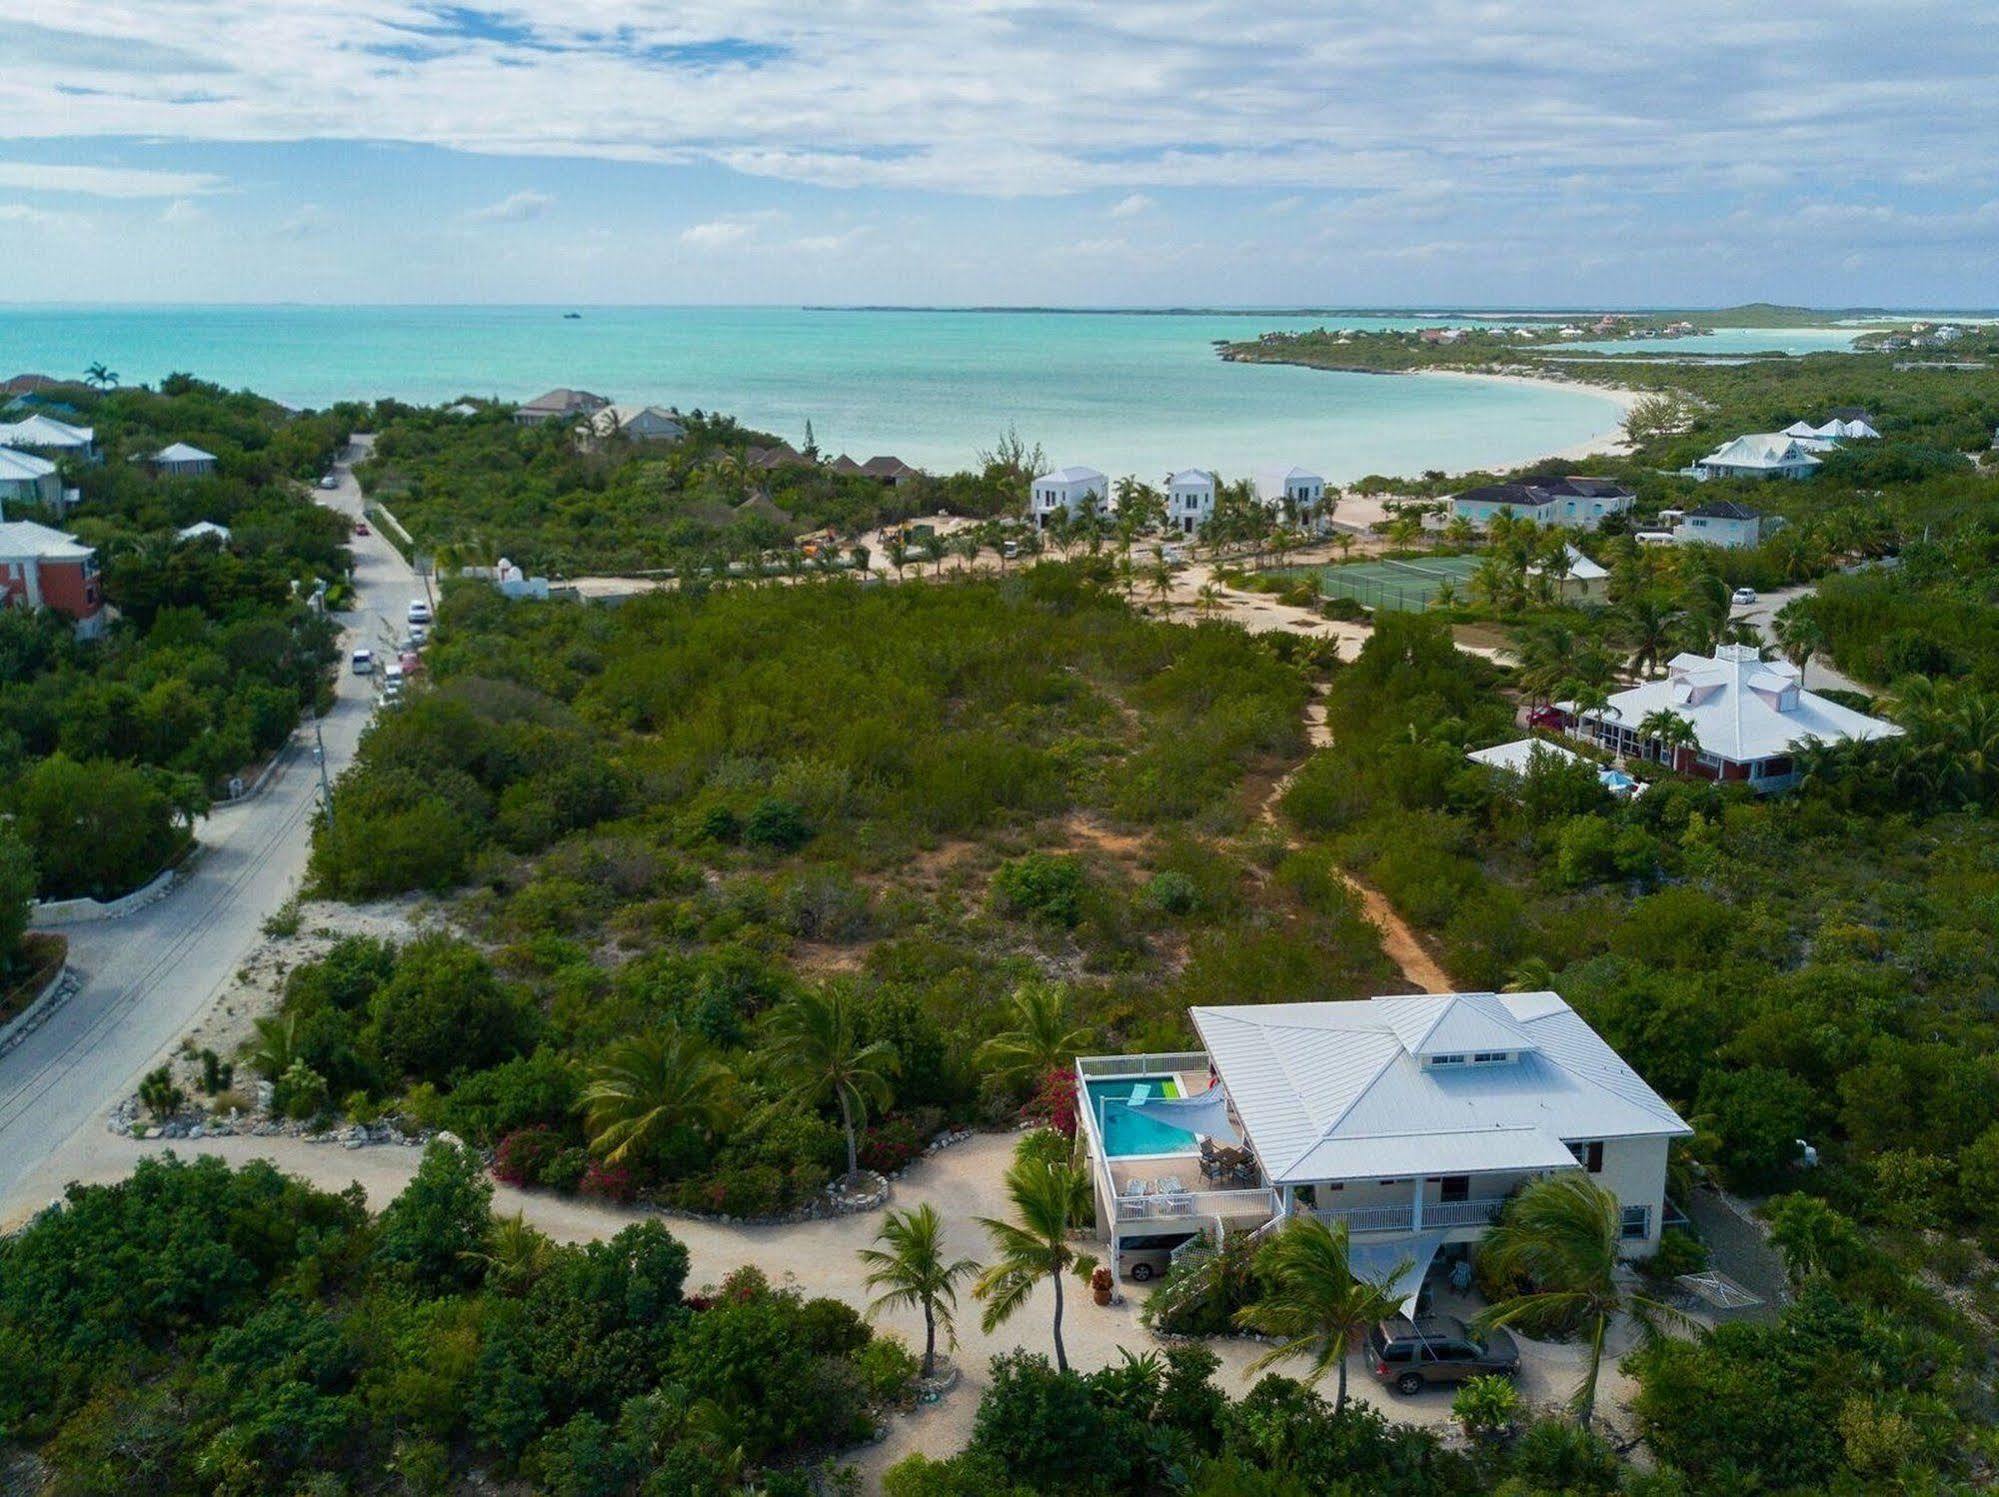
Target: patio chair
<point>1136,1187</point>
<point>1169,1185</point>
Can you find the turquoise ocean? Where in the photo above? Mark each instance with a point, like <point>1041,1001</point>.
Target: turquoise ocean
<point>1128,393</point>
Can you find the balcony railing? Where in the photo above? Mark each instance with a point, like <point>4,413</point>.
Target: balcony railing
<point>1402,1218</point>
<point>1193,1205</point>
<point>1096,1067</point>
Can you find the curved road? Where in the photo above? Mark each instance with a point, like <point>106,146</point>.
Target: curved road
<point>144,978</point>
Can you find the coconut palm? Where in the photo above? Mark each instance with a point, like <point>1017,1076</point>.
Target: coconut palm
<point>1671,732</point>
<point>898,556</point>
<point>817,1042</point>
<point>1561,1237</point>
<point>98,377</point>
<point>515,1254</point>
<point>1207,599</point>
<point>1649,626</point>
<point>1799,634</point>
<point>910,1268</point>
<point>1313,1302</point>
<point>646,1086</point>
<point>1048,1199</point>
<point>1042,1038</point>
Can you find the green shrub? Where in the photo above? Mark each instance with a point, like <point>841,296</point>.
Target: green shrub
<point>777,826</point>
<point>1042,886</point>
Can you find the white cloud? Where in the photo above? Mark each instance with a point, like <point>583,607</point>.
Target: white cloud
<point>830,244</point>
<point>105,181</point>
<point>718,233</point>
<point>515,208</point>
<point>21,213</point>
<point>1288,204</point>
<point>182,211</point>
<point>1132,205</point>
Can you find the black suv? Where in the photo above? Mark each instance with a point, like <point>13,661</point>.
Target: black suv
<point>1412,1354</point>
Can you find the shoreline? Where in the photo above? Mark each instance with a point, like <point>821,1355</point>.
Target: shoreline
<point>1609,442</point>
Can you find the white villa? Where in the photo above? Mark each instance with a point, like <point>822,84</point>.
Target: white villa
<point>183,460</point>
<point>1579,502</point>
<point>1079,491</point>
<point>1190,499</point>
<point>1411,1119</point>
<point>1298,488</point>
<point>1721,522</point>
<point>27,479</point>
<point>1749,716</point>
<point>50,438</point>
<point>1764,454</point>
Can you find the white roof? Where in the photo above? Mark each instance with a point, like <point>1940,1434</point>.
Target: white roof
<point>22,539</point>
<point>23,466</point>
<point>1330,1091</point>
<point>1191,478</point>
<point>1072,475</point>
<point>1762,449</point>
<point>202,528</point>
<point>45,431</point>
<point>1581,568</point>
<point>1737,703</point>
<point>1273,483</point>
<point>183,452</point>
<point>1518,756</point>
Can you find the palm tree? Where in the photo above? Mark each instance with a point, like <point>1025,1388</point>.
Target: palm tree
<point>1313,1302</point>
<point>1208,599</point>
<point>273,1045</point>
<point>966,544</point>
<point>1561,1236</point>
<point>816,1040</point>
<point>98,377</point>
<point>1649,625</point>
<point>650,1084</point>
<point>898,556</point>
<point>1799,634</point>
<point>910,1269</point>
<point>1043,1039</point>
<point>1671,732</point>
<point>1048,1199</point>
<point>515,1254</point>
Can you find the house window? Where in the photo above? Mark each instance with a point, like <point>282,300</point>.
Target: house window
<point>1454,1188</point>
<point>1636,1223</point>
<point>1490,1057</point>
<point>1589,1155</point>
<point>1447,1060</point>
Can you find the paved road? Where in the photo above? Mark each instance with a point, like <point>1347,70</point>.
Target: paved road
<point>1820,673</point>
<point>146,977</point>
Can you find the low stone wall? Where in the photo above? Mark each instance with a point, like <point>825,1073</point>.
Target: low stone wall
<point>45,913</point>
<point>263,779</point>
<point>54,994</point>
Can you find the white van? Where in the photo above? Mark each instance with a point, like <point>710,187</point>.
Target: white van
<point>364,662</point>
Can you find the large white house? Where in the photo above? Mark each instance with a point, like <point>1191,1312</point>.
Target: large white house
<point>1410,1119</point>
<point>1298,489</point>
<point>1190,500</point>
<point>1749,717</point>
<point>1079,491</point>
<point>1763,454</point>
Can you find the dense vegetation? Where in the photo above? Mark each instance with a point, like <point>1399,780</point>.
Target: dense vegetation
<point>198,1330</point>
<point>109,747</point>
<point>684,817</point>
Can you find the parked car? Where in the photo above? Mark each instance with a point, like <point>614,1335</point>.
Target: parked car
<point>410,663</point>
<point>361,528</point>
<point>1143,1258</point>
<point>329,482</point>
<point>418,637</point>
<point>1745,595</point>
<point>1553,719</point>
<point>1410,1355</point>
<point>364,662</point>
<point>1172,555</point>
<point>418,612</point>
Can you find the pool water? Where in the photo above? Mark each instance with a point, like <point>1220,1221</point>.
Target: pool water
<point>1126,1133</point>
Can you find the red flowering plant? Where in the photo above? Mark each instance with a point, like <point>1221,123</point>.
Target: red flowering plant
<point>1054,1102</point>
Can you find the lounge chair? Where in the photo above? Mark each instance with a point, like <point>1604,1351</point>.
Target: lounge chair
<point>1170,1185</point>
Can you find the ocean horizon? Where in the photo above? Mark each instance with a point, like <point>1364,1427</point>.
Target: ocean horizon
<point>1129,390</point>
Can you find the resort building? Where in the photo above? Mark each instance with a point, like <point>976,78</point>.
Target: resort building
<point>27,479</point>
<point>636,423</point>
<point>892,471</point>
<point>1748,718</point>
<point>559,405</point>
<point>183,460</point>
<point>1078,491</point>
<point>1297,490</point>
<point>1578,502</point>
<point>1765,454</point>
<point>1409,1119</point>
<point>43,568</point>
<point>1190,500</point>
<point>50,438</point>
<point>1721,523</point>
<point>1847,424</point>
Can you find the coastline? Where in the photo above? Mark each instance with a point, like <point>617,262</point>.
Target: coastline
<point>1609,442</point>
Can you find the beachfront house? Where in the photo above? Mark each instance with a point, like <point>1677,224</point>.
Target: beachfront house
<point>1720,523</point>
<point>43,568</point>
<point>1074,491</point>
<point>183,460</point>
<point>1297,491</point>
<point>27,479</point>
<point>1749,718</point>
<point>1410,1119</point>
<point>1579,501</point>
<point>1763,454</point>
<point>1190,500</point>
<point>47,437</point>
<point>560,404</point>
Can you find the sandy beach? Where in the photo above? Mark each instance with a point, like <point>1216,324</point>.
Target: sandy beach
<point>1608,442</point>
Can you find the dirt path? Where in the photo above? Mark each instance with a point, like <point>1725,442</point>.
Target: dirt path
<point>1398,941</point>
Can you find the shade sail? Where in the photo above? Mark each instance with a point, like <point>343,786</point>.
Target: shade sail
<point>1375,1261</point>
<point>1207,1112</point>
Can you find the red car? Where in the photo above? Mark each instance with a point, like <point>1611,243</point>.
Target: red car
<point>1554,719</point>
<point>361,527</point>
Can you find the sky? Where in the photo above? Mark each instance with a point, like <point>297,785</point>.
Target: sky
<point>1454,153</point>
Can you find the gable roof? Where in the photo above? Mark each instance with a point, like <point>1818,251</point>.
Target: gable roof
<point>1071,475</point>
<point>882,465</point>
<point>21,540</point>
<point>45,431</point>
<point>1760,449</point>
<point>1332,1091</point>
<point>183,452</point>
<point>562,399</point>
<point>1190,478</point>
<point>1725,509</point>
<point>23,467</point>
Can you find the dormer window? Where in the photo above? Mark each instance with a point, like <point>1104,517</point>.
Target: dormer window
<point>1437,1062</point>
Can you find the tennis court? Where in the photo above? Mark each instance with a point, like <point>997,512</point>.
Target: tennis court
<point>1404,586</point>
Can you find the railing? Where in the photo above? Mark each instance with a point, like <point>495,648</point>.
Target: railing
<point>1096,1067</point>
<point>1191,1205</point>
<point>1477,1213</point>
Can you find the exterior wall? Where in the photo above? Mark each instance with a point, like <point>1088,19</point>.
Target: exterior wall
<point>1481,512</point>
<point>71,587</point>
<point>193,468</point>
<point>1634,1170</point>
<point>1188,509</point>
<point>44,490</point>
<point>1046,498</point>
<point>1718,532</point>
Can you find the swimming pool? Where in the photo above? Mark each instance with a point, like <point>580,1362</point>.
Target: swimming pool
<point>1127,1134</point>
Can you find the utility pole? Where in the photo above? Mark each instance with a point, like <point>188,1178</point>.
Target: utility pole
<point>319,753</point>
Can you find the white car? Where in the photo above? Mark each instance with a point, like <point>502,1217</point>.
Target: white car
<point>418,613</point>
<point>1744,595</point>
<point>419,636</point>
<point>329,483</point>
<point>364,662</point>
